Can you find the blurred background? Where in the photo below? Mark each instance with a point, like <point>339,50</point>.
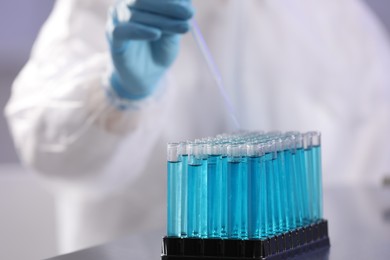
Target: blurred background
<point>27,224</point>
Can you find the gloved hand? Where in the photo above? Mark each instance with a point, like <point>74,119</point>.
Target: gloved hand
<point>145,43</point>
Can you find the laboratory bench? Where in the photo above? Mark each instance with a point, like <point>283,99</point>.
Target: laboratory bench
<point>359,228</point>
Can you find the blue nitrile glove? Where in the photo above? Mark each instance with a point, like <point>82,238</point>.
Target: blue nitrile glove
<point>145,42</point>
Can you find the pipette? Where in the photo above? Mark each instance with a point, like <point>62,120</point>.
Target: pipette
<point>200,41</point>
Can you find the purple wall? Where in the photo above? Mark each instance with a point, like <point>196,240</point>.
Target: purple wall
<point>20,21</point>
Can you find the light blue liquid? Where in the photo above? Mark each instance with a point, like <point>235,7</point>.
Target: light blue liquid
<point>316,153</point>
<point>271,192</point>
<point>254,197</point>
<point>311,187</point>
<point>224,197</point>
<point>174,199</point>
<point>263,199</point>
<point>234,193</point>
<point>298,189</point>
<point>203,201</point>
<point>283,192</point>
<point>197,200</point>
<point>279,220</point>
<point>291,190</point>
<point>214,193</point>
<point>255,217</point>
<point>303,186</point>
<point>244,198</point>
<point>184,195</point>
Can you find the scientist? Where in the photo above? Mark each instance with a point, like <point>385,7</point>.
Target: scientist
<point>93,109</point>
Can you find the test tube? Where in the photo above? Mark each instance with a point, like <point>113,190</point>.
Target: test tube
<point>297,171</point>
<point>279,220</point>
<point>272,207</point>
<point>184,189</point>
<point>214,191</point>
<point>174,168</point>
<point>290,184</point>
<point>257,201</point>
<point>282,185</point>
<point>311,189</point>
<point>244,192</point>
<point>234,190</point>
<point>317,173</point>
<point>224,190</point>
<point>204,196</point>
<point>302,180</point>
<point>197,192</point>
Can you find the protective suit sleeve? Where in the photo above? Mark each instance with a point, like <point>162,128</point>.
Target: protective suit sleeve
<point>64,124</point>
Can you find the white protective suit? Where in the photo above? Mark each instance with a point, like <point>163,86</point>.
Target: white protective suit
<point>288,65</point>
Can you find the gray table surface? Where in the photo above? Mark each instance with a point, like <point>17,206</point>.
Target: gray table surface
<point>359,228</point>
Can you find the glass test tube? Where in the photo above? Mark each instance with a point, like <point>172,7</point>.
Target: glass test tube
<point>234,191</point>
<point>204,185</point>
<point>244,193</point>
<point>307,146</point>
<point>297,170</point>
<point>271,190</point>
<point>257,202</point>
<point>316,155</point>
<point>224,191</point>
<point>197,192</point>
<point>174,167</point>
<point>263,198</point>
<point>302,180</point>
<point>282,185</point>
<point>277,190</point>
<point>214,191</point>
<point>290,184</point>
<point>184,189</point>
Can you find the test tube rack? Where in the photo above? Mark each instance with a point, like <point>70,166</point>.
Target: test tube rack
<point>292,243</point>
<point>246,195</point>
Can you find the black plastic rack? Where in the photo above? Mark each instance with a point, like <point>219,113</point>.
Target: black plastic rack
<point>289,244</point>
